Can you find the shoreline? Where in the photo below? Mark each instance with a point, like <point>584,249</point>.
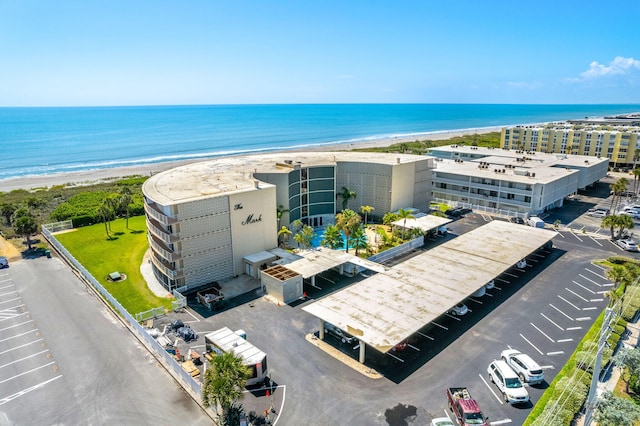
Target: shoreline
<point>89,177</point>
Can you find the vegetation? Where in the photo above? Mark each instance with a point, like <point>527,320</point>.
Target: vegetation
<point>348,221</point>
<point>346,195</point>
<point>616,411</point>
<point>332,237</point>
<point>224,382</point>
<point>421,147</point>
<point>123,252</point>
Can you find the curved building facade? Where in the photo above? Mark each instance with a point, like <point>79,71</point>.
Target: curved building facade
<point>204,218</point>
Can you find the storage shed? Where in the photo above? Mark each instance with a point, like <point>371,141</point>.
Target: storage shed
<point>254,263</point>
<point>282,283</point>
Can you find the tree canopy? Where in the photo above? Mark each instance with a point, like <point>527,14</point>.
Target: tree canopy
<point>224,381</point>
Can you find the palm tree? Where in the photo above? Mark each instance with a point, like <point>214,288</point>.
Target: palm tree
<point>624,222</point>
<point>405,214</point>
<point>389,217</point>
<point>618,188</point>
<point>106,215</point>
<point>284,232</point>
<point>224,381</point>
<point>348,220</point>
<point>332,237</point>
<point>346,195</point>
<point>609,222</point>
<point>305,236</point>
<point>617,274</point>
<point>280,211</point>
<point>636,178</point>
<point>125,202</point>
<point>7,210</point>
<point>359,239</point>
<point>365,211</point>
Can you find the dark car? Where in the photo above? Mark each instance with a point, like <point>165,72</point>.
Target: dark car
<point>457,212</point>
<point>518,220</point>
<point>4,263</point>
<point>187,334</point>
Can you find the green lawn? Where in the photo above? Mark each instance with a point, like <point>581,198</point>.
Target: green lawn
<point>122,253</point>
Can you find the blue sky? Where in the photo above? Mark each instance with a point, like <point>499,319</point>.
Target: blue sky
<point>148,52</point>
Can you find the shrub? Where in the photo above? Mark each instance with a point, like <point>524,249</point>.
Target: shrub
<point>79,221</point>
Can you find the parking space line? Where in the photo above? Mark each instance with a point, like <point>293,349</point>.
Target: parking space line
<point>561,312</point>
<point>532,345</point>
<point>542,332</point>
<point>591,308</point>
<point>491,390</point>
<point>575,294</point>
<point>15,325</point>
<point>551,321</point>
<point>580,285</point>
<point>19,335</point>
<point>413,347</point>
<point>438,325</point>
<point>501,422</point>
<point>477,301</point>
<point>10,300</point>
<point>21,346</point>
<point>512,275</point>
<point>13,316</point>
<point>424,335</point>
<point>393,356</point>
<point>596,300</point>
<point>573,233</point>
<point>596,241</point>
<point>547,367</point>
<point>595,273</point>
<point>590,280</point>
<point>560,297</point>
<point>564,340</point>
<point>555,353</point>
<point>27,372</point>
<point>560,233</point>
<point>194,317</point>
<point>26,391</point>
<point>602,292</point>
<point>450,316</point>
<point>583,319</point>
<point>5,281</point>
<point>23,358</point>
<point>574,328</point>
<point>7,286</point>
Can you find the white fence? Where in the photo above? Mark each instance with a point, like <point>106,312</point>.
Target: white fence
<point>58,226</point>
<point>478,208</point>
<point>169,362</point>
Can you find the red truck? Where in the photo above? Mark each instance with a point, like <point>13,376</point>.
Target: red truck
<point>465,408</point>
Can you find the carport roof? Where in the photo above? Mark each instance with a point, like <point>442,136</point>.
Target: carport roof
<point>425,222</point>
<point>313,262</point>
<point>388,307</point>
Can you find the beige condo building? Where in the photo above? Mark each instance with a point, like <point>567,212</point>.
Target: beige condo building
<point>597,138</point>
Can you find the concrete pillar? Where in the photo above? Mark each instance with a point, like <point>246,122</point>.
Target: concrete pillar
<point>342,269</point>
<point>321,333</point>
<point>313,284</point>
<point>361,359</point>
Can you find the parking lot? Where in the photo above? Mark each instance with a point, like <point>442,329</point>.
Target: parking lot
<point>543,310</point>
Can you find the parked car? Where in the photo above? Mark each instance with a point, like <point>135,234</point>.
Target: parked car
<point>490,285</point>
<point>525,367</point>
<point>441,421</point>
<point>480,292</point>
<point>508,382</point>
<point>598,213</point>
<point>4,263</point>
<point>401,346</point>
<point>518,220</point>
<point>635,214</point>
<point>338,333</point>
<point>457,212</point>
<point>521,264</point>
<point>627,245</point>
<point>459,310</point>
<point>443,230</point>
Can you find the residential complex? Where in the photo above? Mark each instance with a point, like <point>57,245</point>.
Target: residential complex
<point>511,181</point>
<point>207,219</point>
<point>614,138</point>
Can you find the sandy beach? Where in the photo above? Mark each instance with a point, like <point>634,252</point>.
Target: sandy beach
<point>88,177</point>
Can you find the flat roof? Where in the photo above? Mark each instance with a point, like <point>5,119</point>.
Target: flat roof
<point>425,222</point>
<point>390,306</point>
<point>229,341</point>
<point>228,175</point>
<point>313,262</point>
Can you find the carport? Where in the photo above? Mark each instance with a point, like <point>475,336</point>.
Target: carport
<point>387,308</point>
<point>424,222</point>
<point>310,263</point>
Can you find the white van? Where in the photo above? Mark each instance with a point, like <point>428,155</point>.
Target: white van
<point>536,222</point>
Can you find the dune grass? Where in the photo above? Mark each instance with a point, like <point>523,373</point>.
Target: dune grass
<point>123,253</point>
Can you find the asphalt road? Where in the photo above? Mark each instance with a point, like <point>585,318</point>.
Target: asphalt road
<point>65,358</point>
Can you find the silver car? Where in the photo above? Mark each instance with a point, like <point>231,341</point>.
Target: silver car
<point>337,332</point>
<point>525,367</point>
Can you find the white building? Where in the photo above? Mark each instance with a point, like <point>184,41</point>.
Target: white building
<point>205,218</point>
<point>511,180</point>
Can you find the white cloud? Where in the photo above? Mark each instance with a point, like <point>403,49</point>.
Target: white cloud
<point>619,66</point>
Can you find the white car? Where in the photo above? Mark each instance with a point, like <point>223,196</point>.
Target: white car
<point>491,284</point>
<point>521,264</point>
<point>459,309</point>
<point>597,213</point>
<point>628,245</point>
<point>441,421</point>
<point>525,367</point>
<point>508,383</point>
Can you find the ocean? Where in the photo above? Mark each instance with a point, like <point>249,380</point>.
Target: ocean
<point>40,141</point>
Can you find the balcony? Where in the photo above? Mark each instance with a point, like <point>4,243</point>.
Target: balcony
<point>159,248</point>
<point>155,229</point>
<point>151,209</point>
<point>164,267</point>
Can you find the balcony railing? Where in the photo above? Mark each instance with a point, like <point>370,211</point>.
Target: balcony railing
<point>152,210</point>
<point>158,246</point>
<point>164,268</point>
<point>156,230</point>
